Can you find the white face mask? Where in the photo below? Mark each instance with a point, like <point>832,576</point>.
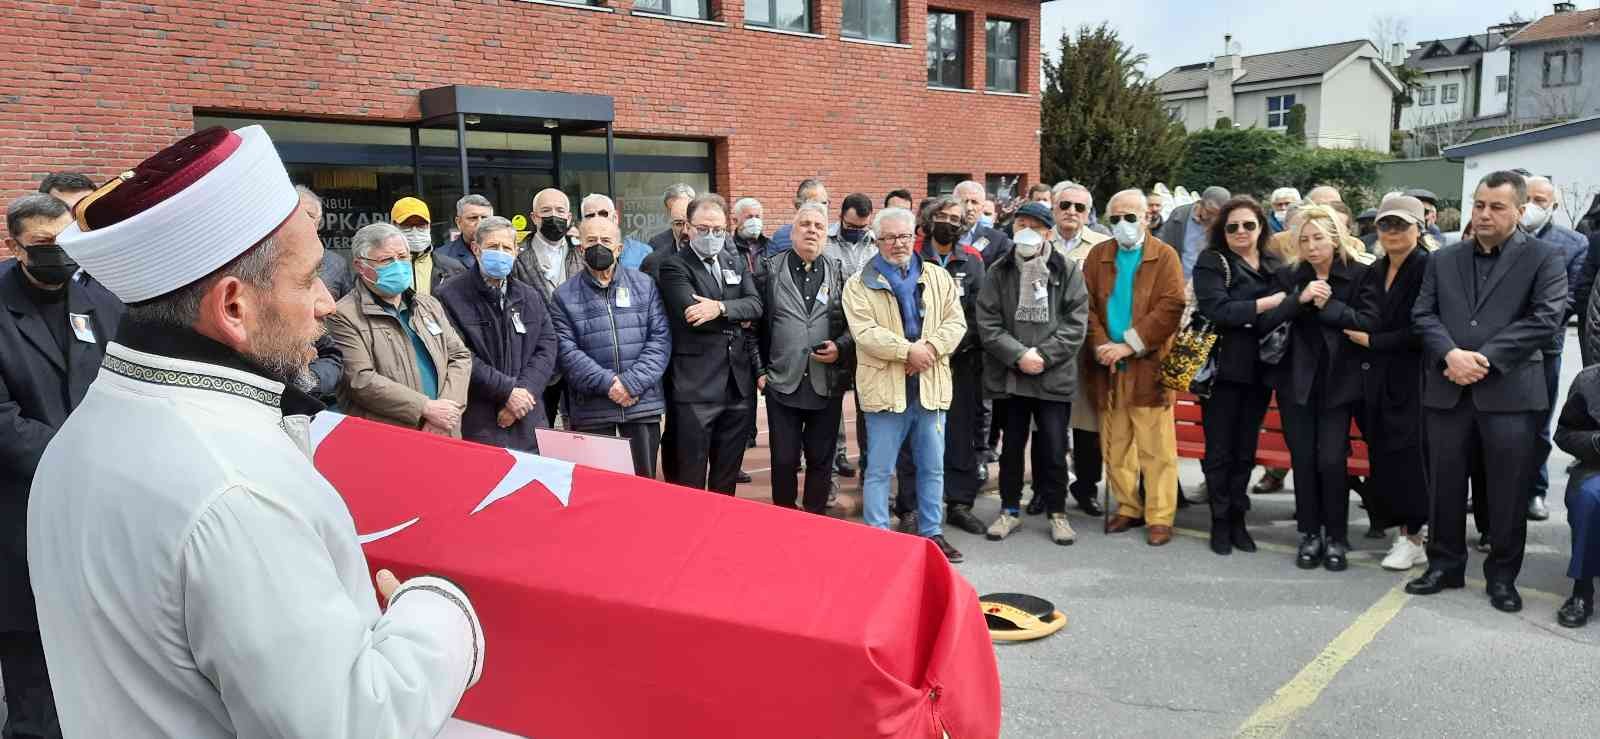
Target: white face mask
<point>1128,234</point>
<point>417,239</point>
<point>1534,217</point>
<point>751,228</point>
<point>1028,242</point>
<point>1282,213</point>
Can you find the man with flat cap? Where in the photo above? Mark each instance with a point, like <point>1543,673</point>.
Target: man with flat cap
<point>203,579</point>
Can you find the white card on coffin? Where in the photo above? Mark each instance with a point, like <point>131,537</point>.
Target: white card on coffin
<point>608,453</point>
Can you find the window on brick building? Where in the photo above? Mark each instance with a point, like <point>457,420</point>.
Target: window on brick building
<point>787,15</point>
<point>946,58</point>
<point>677,8</point>
<point>1003,187</point>
<point>1002,55</point>
<point>873,20</point>
<point>945,183</point>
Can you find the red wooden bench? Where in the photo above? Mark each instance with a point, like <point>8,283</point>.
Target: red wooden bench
<point>1271,449</point>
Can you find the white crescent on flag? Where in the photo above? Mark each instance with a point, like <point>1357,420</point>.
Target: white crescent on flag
<point>554,474</point>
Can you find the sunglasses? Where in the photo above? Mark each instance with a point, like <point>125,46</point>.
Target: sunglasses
<point>1124,218</point>
<point>1393,224</point>
<point>598,214</point>
<point>1249,226</point>
<point>1069,205</point>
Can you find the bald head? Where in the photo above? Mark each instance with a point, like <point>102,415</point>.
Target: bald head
<point>552,202</point>
<point>1128,201</point>
<point>1325,195</point>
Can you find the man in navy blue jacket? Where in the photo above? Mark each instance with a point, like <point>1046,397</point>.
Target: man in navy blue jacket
<point>507,326</point>
<point>614,342</point>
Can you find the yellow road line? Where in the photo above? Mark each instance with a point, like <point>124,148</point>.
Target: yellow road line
<point>1274,717</point>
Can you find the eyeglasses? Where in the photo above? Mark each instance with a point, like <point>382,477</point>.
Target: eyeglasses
<point>679,223</point>
<point>597,214</point>
<point>1393,224</point>
<point>1069,205</point>
<point>1124,218</point>
<point>1248,226</point>
<point>947,218</point>
<point>896,238</point>
<point>386,262</point>
<point>709,231</point>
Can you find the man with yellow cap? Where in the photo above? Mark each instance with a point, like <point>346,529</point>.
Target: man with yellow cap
<point>428,268</point>
<point>195,575</point>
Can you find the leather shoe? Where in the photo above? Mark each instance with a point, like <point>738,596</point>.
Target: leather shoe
<point>1310,553</point>
<point>1089,505</point>
<point>1504,597</point>
<point>1434,581</point>
<point>1575,612</point>
<point>843,468</point>
<point>1335,560</point>
<point>1483,544</point>
<point>1537,510</point>
<point>1267,485</point>
<point>1120,523</point>
<point>1036,504</point>
<point>961,517</point>
<point>1221,541</point>
<point>743,478</point>
<point>950,553</point>
<point>1159,536</point>
<point>1240,536</point>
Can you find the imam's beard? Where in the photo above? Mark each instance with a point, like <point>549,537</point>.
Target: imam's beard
<point>286,356</point>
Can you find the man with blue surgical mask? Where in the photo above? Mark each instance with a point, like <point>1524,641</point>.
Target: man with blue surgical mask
<point>506,325</point>
<point>404,363</point>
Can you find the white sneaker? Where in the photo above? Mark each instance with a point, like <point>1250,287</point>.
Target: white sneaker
<point>1404,555</point>
<point>1060,530</point>
<point>1004,526</point>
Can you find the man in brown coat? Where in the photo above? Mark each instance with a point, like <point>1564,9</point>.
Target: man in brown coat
<point>404,364</point>
<point>1136,299</point>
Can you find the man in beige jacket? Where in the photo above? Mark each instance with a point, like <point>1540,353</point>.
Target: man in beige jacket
<point>907,321</point>
<point>404,364</point>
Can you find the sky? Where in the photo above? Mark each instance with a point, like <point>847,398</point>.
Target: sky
<point>1177,32</point>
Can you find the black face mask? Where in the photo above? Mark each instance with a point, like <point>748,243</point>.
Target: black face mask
<point>50,264</point>
<point>599,257</point>
<point>852,235</point>
<point>946,233</point>
<point>552,228</point>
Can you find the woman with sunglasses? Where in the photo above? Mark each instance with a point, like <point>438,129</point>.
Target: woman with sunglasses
<point>1391,424</point>
<point>1234,285</point>
<point>1318,382</point>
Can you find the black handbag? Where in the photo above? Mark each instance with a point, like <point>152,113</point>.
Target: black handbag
<point>1275,344</point>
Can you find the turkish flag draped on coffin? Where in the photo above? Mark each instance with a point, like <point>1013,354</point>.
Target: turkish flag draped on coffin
<point>615,606</point>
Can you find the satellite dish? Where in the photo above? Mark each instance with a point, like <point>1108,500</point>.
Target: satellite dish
<point>1234,47</point>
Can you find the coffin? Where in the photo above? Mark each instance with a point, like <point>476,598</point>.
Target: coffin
<point>615,606</point>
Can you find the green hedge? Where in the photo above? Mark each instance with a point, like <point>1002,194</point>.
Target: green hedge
<point>1253,162</point>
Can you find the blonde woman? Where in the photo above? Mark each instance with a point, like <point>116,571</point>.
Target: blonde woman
<point>1318,381</point>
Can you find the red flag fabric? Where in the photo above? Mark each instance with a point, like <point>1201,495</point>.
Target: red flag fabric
<point>615,606</point>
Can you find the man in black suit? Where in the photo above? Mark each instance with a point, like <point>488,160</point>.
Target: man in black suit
<point>711,300</point>
<point>54,325</point>
<point>1488,307</point>
<point>990,242</point>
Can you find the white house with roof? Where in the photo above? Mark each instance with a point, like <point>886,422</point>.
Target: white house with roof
<point>1563,152</point>
<point>1346,88</point>
<point>1461,78</point>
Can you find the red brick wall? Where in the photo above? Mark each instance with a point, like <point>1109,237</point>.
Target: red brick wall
<point>100,84</point>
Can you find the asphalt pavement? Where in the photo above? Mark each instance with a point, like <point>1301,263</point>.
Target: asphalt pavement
<point>1177,641</point>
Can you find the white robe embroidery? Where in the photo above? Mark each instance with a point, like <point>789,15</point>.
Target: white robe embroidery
<point>197,577</point>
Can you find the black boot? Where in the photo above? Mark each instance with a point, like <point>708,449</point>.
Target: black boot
<point>960,516</point>
<point>1311,550</point>
<point>1221,537</point>
<point>1240,535</point>
<point>1334,560</point>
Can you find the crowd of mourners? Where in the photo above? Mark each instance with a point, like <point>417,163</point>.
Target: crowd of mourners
<point>966,330</point>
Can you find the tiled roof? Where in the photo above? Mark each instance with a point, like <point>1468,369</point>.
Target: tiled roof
<point>1277,65</point>
<point>1573,24</point>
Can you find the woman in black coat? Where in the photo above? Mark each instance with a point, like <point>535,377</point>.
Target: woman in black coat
<point>1233,286</point>
<point>1318,382</point>
<point>1391,424</point>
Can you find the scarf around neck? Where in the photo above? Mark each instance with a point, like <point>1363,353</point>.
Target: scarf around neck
<point>1033,299</point>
